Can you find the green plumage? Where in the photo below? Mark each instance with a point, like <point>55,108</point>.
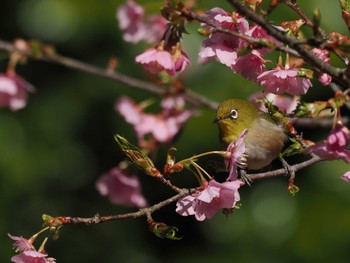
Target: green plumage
<point>265,138</point>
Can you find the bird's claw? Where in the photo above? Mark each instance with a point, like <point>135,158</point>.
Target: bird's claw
<point>244,176</point>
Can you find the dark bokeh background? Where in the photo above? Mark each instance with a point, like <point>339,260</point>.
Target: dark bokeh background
<point>52,152</point>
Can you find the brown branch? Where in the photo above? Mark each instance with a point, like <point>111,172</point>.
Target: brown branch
<point>191,97</point>
<point>169,184</point>
<point>282,171</point>
<point>97,219</point>
<point>317,122</point>
<point>336,73</point>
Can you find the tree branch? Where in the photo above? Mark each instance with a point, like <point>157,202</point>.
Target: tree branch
<point>282,171</point>
<point>192,97</point>
<point>317,122</point>
<point>97,219</point>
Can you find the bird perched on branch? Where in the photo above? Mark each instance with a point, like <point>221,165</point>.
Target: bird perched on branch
<point>265,138</point>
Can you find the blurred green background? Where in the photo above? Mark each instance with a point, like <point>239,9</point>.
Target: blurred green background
<point>53,151</point>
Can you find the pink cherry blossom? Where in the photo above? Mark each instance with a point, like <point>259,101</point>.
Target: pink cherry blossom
<point>284,103</point>
<point>156,61</point>
<point>280,80</point>
<point>137,26</point>
<point>346,177</point>
<point>130,17</point>
<point>220,17</point>
<point>162,126</point>
<point>13,91</point>
<point>250,65</point>
<point>21,244</point>
<point>129,110</point>
<point>325,79</point>
<point>222,46</point>
<point>32,256</point>
<point>335,146</point>
<point>155,28</point>
<point>173,102</point>
<point>323,54</point>
<point>121,188</point>
<point>235,153</point>
<point>205,203</point>
<point>219,46</point>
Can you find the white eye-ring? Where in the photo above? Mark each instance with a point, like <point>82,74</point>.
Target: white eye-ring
<point>233,114</point>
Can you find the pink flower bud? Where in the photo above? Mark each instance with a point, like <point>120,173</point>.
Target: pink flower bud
<point>13,91</point>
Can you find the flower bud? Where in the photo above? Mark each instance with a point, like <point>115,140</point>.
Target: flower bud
<point>163,231</point>
<point>136,156</point>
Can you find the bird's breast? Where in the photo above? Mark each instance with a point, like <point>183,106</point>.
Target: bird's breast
<point>264,142</point>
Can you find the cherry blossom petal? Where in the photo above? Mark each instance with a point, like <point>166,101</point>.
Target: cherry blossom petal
<point>155,61</point>
<point>346,177</point>
<point>32,256</point>
<point>235,150</point>
<point>282,80</point>
<point>129,110</point>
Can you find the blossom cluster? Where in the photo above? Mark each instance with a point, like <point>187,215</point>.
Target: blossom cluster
<point>166,56</point>
<point>231,50</point>
<point>226,49</point>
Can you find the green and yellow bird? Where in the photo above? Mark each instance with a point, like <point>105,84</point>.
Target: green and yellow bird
<point>265,138</point>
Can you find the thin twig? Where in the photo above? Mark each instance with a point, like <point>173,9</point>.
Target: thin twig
<point>317,30</point>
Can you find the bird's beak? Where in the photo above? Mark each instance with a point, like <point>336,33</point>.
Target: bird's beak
<point>217,120</point>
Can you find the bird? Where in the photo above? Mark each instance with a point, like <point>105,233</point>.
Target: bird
<point>265,138</point>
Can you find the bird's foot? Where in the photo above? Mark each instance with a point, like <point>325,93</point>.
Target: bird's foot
<point>244,176</point>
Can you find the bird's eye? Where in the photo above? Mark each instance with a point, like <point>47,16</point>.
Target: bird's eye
<point>233,114</point>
